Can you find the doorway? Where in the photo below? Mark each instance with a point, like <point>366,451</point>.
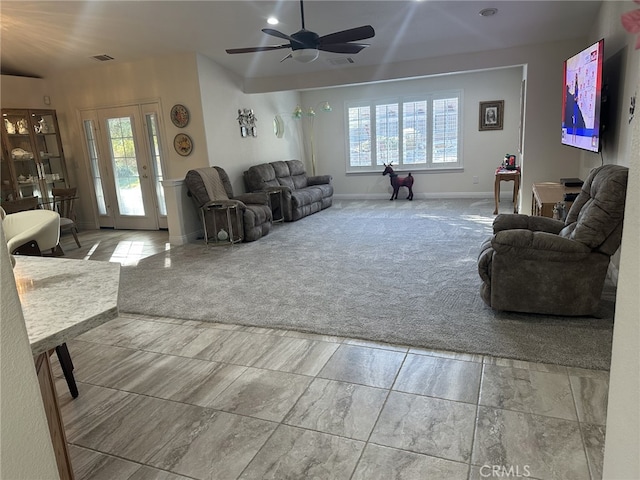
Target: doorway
<point>125,151</point>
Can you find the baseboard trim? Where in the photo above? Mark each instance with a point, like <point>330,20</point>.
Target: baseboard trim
<point>184,239</point>
<point>417,196</point>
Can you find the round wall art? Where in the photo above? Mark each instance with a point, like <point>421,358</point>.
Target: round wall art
<point>183,144</point>
<point>180,116</point>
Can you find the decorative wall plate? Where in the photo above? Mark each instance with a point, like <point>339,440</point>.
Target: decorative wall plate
<point>180,115</point>
<point>183,144</point>
<point>278,126</point>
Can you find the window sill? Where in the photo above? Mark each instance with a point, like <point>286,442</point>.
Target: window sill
<point>406,171</point>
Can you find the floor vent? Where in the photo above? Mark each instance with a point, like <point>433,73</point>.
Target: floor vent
<point>340,61</point>
<point>102,58</point>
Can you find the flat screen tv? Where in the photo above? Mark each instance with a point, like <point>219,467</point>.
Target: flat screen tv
<point>582,97</point>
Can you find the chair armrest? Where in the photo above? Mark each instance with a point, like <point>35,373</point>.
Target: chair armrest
<point>253,198</point>
<point>319,179</point>
<point>529,245</point>
<point>533,223</point>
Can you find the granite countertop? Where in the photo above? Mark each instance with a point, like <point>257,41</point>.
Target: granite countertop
<point>63,298</point>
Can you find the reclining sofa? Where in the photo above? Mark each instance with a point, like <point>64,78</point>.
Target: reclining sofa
<point>301,195</point>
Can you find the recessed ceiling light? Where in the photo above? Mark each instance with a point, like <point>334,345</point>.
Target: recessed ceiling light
<point>272,21</point>
<point>488,12</point>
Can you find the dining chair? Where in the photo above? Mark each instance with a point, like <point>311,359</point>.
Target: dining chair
<point>63,201</point>
<point>20,205</point>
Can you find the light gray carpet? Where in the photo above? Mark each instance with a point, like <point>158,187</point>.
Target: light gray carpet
<point>400,272</point>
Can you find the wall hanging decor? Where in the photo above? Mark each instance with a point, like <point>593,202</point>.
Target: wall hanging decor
<point>491,114</point>
<point>247,121</point>
<point>183,144</point>
<point>180,115</point>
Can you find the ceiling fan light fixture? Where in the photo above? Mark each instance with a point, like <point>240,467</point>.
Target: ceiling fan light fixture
<point>305,55</point>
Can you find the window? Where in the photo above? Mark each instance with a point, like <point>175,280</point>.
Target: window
<point>420,132</point>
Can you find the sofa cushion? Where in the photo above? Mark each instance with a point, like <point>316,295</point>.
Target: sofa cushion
<point>262,176</point>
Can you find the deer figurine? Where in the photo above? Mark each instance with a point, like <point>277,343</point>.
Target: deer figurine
<point>397,182</point>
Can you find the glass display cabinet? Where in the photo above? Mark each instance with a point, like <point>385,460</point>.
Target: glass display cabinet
<point>32,156</point>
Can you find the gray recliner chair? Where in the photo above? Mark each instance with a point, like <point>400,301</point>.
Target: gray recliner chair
<point>542,265</point>
<point>211,185</point>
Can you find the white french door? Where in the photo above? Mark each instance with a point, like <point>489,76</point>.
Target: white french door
<point>125,153</point>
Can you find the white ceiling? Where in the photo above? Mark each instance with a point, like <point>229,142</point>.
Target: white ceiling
<point>40,38</point>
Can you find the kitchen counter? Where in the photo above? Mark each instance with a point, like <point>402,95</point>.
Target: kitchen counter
<point>64,298</point>
<point>60,300</point>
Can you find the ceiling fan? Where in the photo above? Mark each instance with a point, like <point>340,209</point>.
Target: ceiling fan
<point>305,45</point>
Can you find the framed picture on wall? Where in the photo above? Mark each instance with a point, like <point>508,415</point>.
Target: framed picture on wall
<point>491,115</point>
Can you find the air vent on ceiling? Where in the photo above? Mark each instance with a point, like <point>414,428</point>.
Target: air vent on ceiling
<point>102,58</point>
<point>340,61</point>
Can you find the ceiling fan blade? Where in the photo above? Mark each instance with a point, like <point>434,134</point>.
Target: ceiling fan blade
<point>256,49</point>
<point>343,47</point>
<point>276,33</point>
<point>351,35</point>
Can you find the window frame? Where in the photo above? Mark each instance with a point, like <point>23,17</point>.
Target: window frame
<point>399,101</point>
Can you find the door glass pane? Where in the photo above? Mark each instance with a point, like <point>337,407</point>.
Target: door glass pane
<point>92,148</point>
<point>125,166</point>
<point>156,157</point>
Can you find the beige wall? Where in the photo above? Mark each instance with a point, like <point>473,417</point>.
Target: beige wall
<point>221,98</point>
<point>543,159</point>
<point>482,152</point>
<point>623,413</point>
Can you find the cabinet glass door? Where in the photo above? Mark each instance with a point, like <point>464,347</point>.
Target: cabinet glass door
<point>20,149</point>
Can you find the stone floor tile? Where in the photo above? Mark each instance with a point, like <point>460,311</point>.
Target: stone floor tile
<point>92,465</point>
<point>440,377</point>
<point>297,355</point>
<point>527,391</point>
<point>467,357</point>
<point>137,427</point>
<point>384,463</point>
<point>593,437</point>
<point>264,394</point>
<point>219,448</point>
<point>538,367</point>
<point>367,366</point>
<point>295,454</point>
<point>591,394</point>
<point>339,408</point>
<point>433,426</point>
<point>549,448</point>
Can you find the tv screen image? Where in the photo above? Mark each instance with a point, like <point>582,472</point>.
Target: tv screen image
<point>582,97</point>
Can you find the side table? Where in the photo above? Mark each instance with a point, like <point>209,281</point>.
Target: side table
<point>503,175</point>
<point>274,195</point>
<point>225,209</point>
<point>546,195</point>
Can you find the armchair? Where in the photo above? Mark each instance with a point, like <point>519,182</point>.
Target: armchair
<point>212,184</point>
<point>542,265</point>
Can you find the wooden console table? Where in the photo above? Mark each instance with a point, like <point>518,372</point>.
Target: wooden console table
<point>507,176</point>
<point>546,195</point>
<point>61,299</point>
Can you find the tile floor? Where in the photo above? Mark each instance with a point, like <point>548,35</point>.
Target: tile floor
<point>172,399</point>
